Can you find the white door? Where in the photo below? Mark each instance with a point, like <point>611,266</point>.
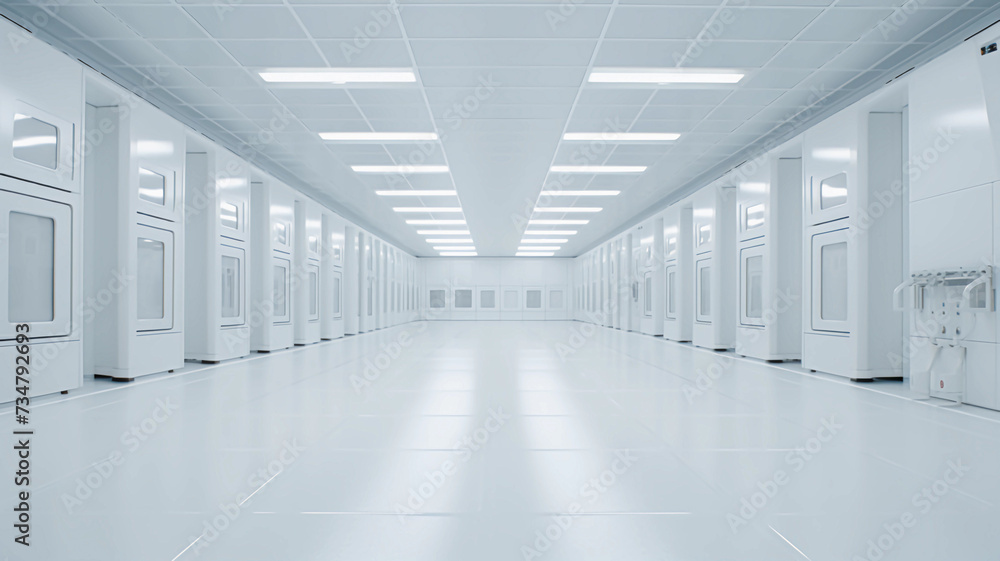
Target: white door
<point>703,290</point>
<point>234,285</point>
<point>154,279</point>
<point>281,289</point>
<point>752,286</point>
<point>830,287</point>
<point>35,243</point>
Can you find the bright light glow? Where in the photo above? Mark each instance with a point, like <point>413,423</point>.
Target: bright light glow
<point>400,169</point>
<point>378,137</point>
<point>645,241</point>
<point>585,193</point>
<point>230,182</point>
<point>417,193</point>
<point>539,248</point>
<point>833,154</point>
<point>447,240</point>
<point>338,75</point>
<point>562,222</point>
<point>544,240</point>
<point>754,187</point>
<point>703,213</point>
<point>458,254</point>
<point>29,141</point>
<point>621,136</point>
<point>662,76</point>
<point>597,169</point>
<point>427,208</point>
<point>443,232</point>
<point>454,248</point>
<point>568,209</point>
<point>154,148</point>
<point>534,254</point>
<point>550,232</point>
<point>437,222</point>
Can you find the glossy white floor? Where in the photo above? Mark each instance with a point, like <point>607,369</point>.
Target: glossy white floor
<point>291,457</point>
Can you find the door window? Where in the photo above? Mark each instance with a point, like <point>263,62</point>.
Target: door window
<point>833,282</point>
<point>36,141</point>
<point>463,298</point>
<point>31,268</point>
<point>231,297</point>
<point>754,295</point>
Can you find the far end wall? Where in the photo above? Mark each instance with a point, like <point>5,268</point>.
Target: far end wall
<point>496,288</point>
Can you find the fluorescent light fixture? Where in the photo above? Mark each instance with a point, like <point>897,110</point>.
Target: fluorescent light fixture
<point>437,222</point>
<point>378,137</point>
<point>447,240</point>
<point>621,136</point>
<point>534,254</point>
<point>584,193</point>
<point>455,248</point>
<point>568,209</point>
<point>338,75</point>
<point>550,232</point>
<point>458,254</point>
<point>400,169</point>
<point>597,169</point>
<point>443,232</point>
<point>539,248</point>
<point>544,240</point>
<point>663,76</point>
<point>560,222</point>
<point>427,208</point>
<point>417,193</point>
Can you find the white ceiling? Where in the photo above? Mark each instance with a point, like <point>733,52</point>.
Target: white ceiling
<point>198,60</point>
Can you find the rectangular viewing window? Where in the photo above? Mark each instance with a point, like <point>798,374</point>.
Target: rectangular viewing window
<point>230,287</point>
<point>31,268</point>
<point>704,234</point>
<point>705,291</point>
<point>281,233</point>
<point>533,299</point>
<point>833,282</point>
<point>151,268</point>
<point>755,287</point>
<point>754,217</point>
<point>463,298</point>
<point>152,187</point>
<point>36,142</point>
<point>279,294</point>
<point>437,299</point>
<point>488,299</point>
<point>556,299</point>
<point>833,191</point>
<point>229,215</point>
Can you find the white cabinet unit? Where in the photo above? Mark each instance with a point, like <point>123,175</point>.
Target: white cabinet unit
<point>678,273</point>
<point>217,253</point>
<point>137,212</point>
<point>306,282</point>
<point>333,276</point>
<point>715,278</point>
<point>272,225</point>
<point>852,254</point>
<point>651,270</point>
<point>41,234</point>
<point>769,229</point>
